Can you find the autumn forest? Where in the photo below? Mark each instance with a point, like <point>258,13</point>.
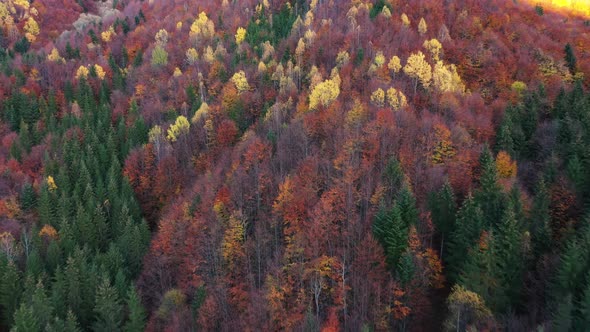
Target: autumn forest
<point>294,165</point>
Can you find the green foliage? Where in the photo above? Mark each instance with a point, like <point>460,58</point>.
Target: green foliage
<point>137,314</point>
<point>108,308</point>
<point>377,8</point>
<point>159,56</point>
<point>391,231</point>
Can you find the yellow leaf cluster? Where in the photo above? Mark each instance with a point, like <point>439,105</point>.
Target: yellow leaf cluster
<point>240,35</point>
<point>22,3</point>
<point>159,56</point>
<point>177,72</point>
<point>323,93</point>
<point>108,34</point>
<point>396,99</point>
<point>32,29</point>
<point>232,240</point>
<point>154,134</point>
<point>240,81</point>
<point>446,78</point>
<point>202,27</point>
<point>394,64</point>
<point>192,56</point>
<point>386,12</point>
<point>181,126</point>
<point>100,73</point>
<point>379,59</point>
<point>161,37</point>
<point>418,69</point>
<point>82,72</point>
<point>378,97</point>
<point>208,55</point>
<point>444,146</point>
<point>51,184</point>
<point>261,67</point>
<point>200,113</point>
<point>342,58</point>
<point>54,56</point>
<point>48,231</point>
<point>422,27</point>
<point>519,87</point>
<point>505,165</point>
<point>405,20</point>
<point>434,47</point>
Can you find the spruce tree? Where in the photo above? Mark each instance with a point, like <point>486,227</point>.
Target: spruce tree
<point>137,315</point>
<point>108,309</point>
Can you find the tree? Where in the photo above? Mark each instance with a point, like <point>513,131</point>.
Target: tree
<point>446,78</point>
<point>443,209</point>
<point>422,27</point>
<point>10,291</point>
<point>137,315</point>
<point>159,56</point>
<point>396,99</point>
<point>25,320</point>
<point>466,309</point>
<point>240,35</point>
<point>180,127</point>
<point>469,224</point>
<point>240,81</point>
<point>418,69</point>
<point>324,94</point>
<point>505,166</point>
<point>394,65</point>
<point>378,97</point>
<point>570,58</point>
<point>434,47</point>
<point>108,309</point>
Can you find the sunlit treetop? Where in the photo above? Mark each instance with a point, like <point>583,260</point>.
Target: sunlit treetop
<point>574,6</point>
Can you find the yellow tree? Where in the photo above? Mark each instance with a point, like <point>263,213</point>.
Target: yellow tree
<point>54,56</point>
<point>100,73</point>
<point>180,127</point>
<point>505,166</point>
<point>240,81</point>
<point>422,27</point>
<point>31,29</point>
<point>465,308</point>
<point>443,149</point>
<point>200,113</point>
<point>396,99</point>
<point>240,35</point>
<point>378,97</point>
<point>191,56</point>
<point>202,27</point>
<point>434,47</point>
<point>446,78</point>
<point>82,72</point>
<point>405,20</point>
<point>394,65</point>
<point>324,93</point>
<point>418,69</point>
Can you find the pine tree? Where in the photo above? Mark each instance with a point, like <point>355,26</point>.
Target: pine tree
<point>25,320</point>
<point>489,196</point>
<point>469,225</point>
<point>509,260</point>
<point>41,305</point>
<point>562,318</point>
<point>108,309</point>
<point>443,209</point>
<point>407,205</point>
<point>137,314</point>
<point>28,198</point>
<point>10,291</point>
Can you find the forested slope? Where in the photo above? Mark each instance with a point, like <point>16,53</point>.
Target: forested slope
<point>294,165</point>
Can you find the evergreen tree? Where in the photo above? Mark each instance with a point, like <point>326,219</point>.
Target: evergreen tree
<point>10,291</point>
<point>489,196</point>
<point>41,305</point>
<point>443,209</point>
<point>137,314</point>
<point>25,320</point>
<point>469,225</point>
<point>28,197</point>
<point>108,309</point>
<point>562,317</point>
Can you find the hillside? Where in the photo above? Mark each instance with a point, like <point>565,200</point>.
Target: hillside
<point>294,165</point>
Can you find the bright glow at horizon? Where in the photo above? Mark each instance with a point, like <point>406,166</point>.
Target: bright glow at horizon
<point>575,6</point>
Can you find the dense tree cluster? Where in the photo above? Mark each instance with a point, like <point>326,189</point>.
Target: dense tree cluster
<point>293,165</point>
